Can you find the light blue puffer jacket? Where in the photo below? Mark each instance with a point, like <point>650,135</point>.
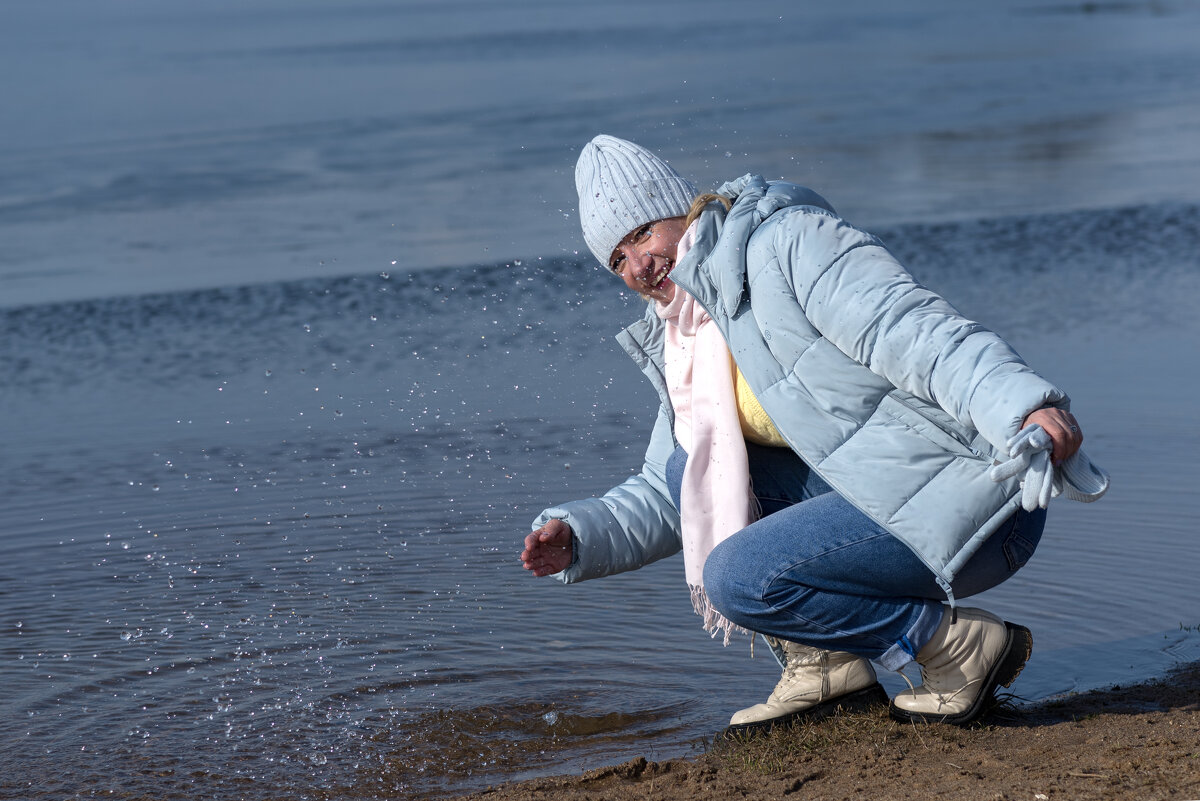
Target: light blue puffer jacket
<point>898,401</point>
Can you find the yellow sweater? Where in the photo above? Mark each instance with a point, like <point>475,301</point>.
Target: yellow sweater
<point>756,426</point>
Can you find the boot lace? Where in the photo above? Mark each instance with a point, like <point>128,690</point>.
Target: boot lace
<point>797,660</point>
<point>942,698</point>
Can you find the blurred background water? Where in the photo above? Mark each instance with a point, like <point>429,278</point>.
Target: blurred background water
<point>296,338</point>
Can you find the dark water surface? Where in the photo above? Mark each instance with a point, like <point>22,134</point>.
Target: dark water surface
<point>258,531</point>
<point>150,146</point>
<point>261,542</point>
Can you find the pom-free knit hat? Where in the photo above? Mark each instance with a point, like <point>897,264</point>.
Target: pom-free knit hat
<point>623,186</point>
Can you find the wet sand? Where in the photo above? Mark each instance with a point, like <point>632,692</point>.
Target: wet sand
<point>1122,742</point>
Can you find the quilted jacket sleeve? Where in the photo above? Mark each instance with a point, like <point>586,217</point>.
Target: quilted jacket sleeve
<point>863,301</point>
<point>631,525</point>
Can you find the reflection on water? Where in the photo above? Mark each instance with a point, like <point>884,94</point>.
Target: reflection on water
<point>262,542</point>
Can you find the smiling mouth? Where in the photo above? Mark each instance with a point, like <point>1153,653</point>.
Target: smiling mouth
<point>660,276</point>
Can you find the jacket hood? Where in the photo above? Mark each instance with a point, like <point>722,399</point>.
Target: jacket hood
<point>721,236</point>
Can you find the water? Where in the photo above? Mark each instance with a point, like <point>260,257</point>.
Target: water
<point>263,540</point>
<point>154,147</point>
<point>259,527</point>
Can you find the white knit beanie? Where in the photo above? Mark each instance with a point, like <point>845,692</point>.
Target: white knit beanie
<point>623,186</point>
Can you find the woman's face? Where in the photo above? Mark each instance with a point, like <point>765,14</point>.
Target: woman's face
<point>646,257</point>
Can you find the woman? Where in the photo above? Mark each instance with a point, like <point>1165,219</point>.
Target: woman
<point>826,449</point>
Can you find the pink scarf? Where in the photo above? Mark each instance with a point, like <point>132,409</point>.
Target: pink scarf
<point>716,498</point>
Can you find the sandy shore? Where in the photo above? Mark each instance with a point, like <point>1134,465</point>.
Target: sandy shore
<point>1123,742</point>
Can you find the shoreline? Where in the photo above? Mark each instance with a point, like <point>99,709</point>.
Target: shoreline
<point>911,237</point>
<point>1138,741</point>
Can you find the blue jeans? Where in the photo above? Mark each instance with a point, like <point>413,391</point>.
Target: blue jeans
<point>816,570</point>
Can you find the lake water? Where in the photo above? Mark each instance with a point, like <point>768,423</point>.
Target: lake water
<point>296,341</point>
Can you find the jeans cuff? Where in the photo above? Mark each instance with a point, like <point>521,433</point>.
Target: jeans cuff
<point>906,650</point>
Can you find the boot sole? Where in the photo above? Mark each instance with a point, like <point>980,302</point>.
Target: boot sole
<point>874,695</point>
<point>1017,649</point>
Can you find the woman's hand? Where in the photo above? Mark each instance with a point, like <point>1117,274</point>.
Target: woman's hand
<point>1063,429</point>
<point>548,550</point>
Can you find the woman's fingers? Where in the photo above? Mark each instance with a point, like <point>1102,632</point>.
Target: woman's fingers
<point>555,532</point>
<point>547,550</point>
<point>1064,431</point>
<point>1067,438</point>
<point>1074,441</point>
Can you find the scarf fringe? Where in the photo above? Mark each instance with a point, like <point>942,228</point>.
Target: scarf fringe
<point>714,621</point>
<point>756,512</point>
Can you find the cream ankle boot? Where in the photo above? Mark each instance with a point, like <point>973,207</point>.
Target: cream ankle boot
<point>962,665</point>
<point>815,684</point>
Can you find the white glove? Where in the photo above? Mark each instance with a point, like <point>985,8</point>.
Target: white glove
<point>1029,453</point>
